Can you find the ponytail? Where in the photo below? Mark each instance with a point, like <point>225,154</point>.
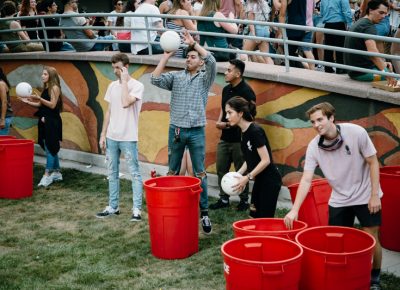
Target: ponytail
<point>248,108</point>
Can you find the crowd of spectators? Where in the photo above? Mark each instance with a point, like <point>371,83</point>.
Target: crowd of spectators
<point>332,14</point>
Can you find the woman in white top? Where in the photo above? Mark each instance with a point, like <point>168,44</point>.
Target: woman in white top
<point>258,10</point>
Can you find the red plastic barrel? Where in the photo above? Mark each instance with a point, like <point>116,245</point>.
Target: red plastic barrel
<point>16,170</point>
<point>314,211</point>
<point>261,263</point>
<point>335,258</point>
<point>389,230</point>
<point>6,137</point>
<point>173,210</point>
<point>267,227</point>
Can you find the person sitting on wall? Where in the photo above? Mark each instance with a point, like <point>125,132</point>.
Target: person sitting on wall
<point>376,11</point>
<point>8,10</point>
<point>71,8</point>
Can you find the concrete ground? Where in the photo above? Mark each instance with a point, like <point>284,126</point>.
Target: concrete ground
<point>93,163</point>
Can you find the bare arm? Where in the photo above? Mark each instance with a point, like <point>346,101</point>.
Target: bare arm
<point>228,27</point>
<point>301,194</point>
<point>103,134</point>
<point>378,61</point>
<point>3,97</point>
<point>54,95</point>
<point>374,204</point>
<point>219,124</point>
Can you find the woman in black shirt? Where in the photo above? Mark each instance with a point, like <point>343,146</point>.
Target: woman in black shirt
<point>49,105</point>
<point>258,159</point>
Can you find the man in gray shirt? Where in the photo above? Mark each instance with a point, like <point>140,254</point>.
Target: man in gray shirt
<point>71,8</point>
<point>189,93</point>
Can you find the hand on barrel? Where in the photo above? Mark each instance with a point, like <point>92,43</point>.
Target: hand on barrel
<point>289,218</point>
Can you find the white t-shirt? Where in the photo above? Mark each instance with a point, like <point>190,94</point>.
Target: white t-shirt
<point>139,22</point>
<point>345,168</point>
<point>124,122</point>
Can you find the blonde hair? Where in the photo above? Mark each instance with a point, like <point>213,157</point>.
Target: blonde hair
<point>210,6</point>
<point>54,81</point>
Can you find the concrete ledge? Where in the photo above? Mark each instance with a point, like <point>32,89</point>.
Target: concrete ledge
<point>340,84</point>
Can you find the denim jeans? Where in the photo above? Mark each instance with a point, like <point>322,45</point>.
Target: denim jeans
<point>226,154</point>
<point>194,139</point>
<point>52,161</point>
<point>101,46</point>
<point>129,149</point>
<point>6,129</point>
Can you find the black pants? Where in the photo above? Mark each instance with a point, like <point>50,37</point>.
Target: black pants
<point>334,40</point>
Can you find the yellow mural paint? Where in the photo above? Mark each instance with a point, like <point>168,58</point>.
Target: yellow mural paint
<point>153,133</point>
<point>139,72</point>
<point>30,133</point>
<point>288,101</point>
<point>395,119</point>
<point>103,83</point>
<point>279,138</point>
<point>74,131</point>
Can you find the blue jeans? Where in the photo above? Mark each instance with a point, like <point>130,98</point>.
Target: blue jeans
<point>102,46</point>
<point>194,140</point>
<point>52,162</point>
<point>66,46</point>
<point>6,129</point>
<point>129,149</point>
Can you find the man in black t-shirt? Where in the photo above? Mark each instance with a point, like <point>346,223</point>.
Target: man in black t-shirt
<point>376,11</point>
<point>228,149</point>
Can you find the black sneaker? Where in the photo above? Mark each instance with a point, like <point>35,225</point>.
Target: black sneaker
<point>219,204</point>
<point>136,217</point>
<point>108,211</point>
<point>206,224</point>
<point>242,206</point>
<point>375,286</point>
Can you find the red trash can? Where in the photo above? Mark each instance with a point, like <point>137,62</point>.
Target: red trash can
<point>16,170</point>
<point>314,211</point>
<point>6,137</point>
<point>173,210</point>
<point>267,227</point>
<point>336,258</point>
<point>389,230</point>
<point>261,263</point>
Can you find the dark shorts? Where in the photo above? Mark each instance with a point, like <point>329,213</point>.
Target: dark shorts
<point>344,216</point>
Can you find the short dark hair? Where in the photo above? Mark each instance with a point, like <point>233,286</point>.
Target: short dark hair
<point>120,57</point>
<point>65,2</point>
<point>240,65</point>
<point>326,108</point>
<point>374,4</point>
<point>8,8</point>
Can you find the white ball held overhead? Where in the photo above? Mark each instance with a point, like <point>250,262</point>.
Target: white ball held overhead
<point>228,181</point>
<point>23,90</point>
<point>170,41</point>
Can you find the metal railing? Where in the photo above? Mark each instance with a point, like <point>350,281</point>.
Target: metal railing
<point>284,41</point>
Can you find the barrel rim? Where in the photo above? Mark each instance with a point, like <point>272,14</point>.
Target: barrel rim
<point>261,263</point>
<point>235,227</point>
<point>354,253</point>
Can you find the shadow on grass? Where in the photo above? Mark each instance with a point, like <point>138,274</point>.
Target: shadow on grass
<point>53,240</point>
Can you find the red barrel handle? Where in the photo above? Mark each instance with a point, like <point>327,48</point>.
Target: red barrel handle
<point>276,272</point>
<point>249,227</point>
<point>152,184</point>
<point>196,191</point>
<point>336,263</point>
<point>2,148</point>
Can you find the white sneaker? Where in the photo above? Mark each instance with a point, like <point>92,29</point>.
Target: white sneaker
<point>45,181</point>
<point>56,176</point>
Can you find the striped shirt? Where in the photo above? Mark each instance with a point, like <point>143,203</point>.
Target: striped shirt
<point>189,93</point>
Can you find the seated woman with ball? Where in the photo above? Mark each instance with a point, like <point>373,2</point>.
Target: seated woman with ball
<point>258,159</point>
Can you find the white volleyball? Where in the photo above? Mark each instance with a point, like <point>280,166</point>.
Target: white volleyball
<point>170,41</point>
<point>23,90</point>
<point>228,181</point>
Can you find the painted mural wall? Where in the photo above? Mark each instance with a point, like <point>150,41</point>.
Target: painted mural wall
<point>280,110</point>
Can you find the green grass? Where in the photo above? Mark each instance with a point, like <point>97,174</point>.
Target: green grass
<point>53,241</point>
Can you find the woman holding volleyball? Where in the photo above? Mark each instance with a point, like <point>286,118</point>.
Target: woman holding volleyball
<point>258,159</point>
<point>50,123</point>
